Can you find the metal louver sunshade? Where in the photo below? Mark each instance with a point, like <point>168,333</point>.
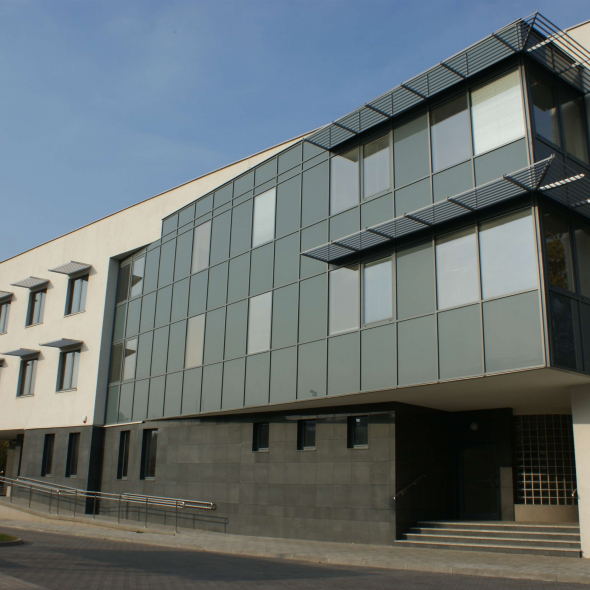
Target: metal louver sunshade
<point>71,268</point>
<point>21,352</point>
<point>5,296</point>
<point>31,283</point>
<point>63,343</point>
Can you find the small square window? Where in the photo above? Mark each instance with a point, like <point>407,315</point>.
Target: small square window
<point>148,454</point>
<point>47,462</point>
<point>306,435</point>
<point>73,452</point>
<point>358,432</point>
<point>260,436</point>
<point>123,454</point>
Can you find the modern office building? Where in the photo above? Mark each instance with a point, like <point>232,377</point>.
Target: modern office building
<point>382,322</point>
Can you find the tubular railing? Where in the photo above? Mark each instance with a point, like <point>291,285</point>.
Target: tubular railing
<point>404,490</point>
<point>60,492</point>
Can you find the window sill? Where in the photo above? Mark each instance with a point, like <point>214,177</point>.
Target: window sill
<point>66,390</point>
<point>307,449</point>
<point>33,325</point>
<point>359,447</point>
<point>261,451</point>
<point>69,315</point>
<point>72,477</point>
<point>28,395</point>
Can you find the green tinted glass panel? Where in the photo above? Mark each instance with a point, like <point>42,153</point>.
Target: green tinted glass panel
<point>173,398</point>
<point>413,197</point>
<point>156,397</point>
<point>460,342</point>
<point>313,236</point>
<point>233,384</point>
<point>144,356</point>
<point>241,229</point>
<point>115,364</point>
<point>186,215</point>
<point>265,172</point>
<point>237,329</point>
<point>166,263</point>
<point>220,238</point>
<point>512,332</point>
<point>133,315</point>
<point>223,195</point>
<point>415,280</point>
<point>344,224</point>
<point>563,318</point>
<point>504,160</point>
<point>140,400</point>
<point>191,391</point>
<point>214,332</point>
<point>211,392</point>
<point>315,194</point>
<point>243,184</point>
<point>312,369</point>
<point>411,151</point>
<point>288,207</point>
<point>152,264</point>
<point>160,351</point>
<point>283,375</point>
<point>377,211</point>
<point>417,351</point>
<point>119,328</point>
<point>217,291</point>
<point>257,379</point>
<point>239,278</point>
<point>453,181</point>
<point>184,251</point>
<point>148,312</point>
<point>112,405</point>
<point>344,364</point>
<point>261,267</point>
<point>198,293</point>
<point>313,302</point>
<point>284,318</point>
<point>204,205</point>
<point>311,151</point>
<point>379,359</point>
<point>289,159</point>
<point>126,402</point>
<point>169,224</point>
<point>163,306</point>
<point>180,300</point>
<point>176,347</point>
<point>286,260</point>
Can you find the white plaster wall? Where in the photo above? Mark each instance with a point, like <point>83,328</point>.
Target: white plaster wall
<point>94,244</point>
<point>581,33</point>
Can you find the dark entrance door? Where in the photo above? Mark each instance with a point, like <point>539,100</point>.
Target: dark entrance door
<point>479,483</point>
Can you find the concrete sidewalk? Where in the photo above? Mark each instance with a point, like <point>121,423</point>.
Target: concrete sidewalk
<point>501,565</point>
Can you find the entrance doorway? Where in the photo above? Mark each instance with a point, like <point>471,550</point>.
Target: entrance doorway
<point>479,483</point>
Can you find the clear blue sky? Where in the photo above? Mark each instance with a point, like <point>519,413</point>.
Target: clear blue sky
<point>108,102</point>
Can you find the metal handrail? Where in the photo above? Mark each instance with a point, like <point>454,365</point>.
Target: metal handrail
<point>41,482</point>
<point>140,499</point>
<point>404,490</point>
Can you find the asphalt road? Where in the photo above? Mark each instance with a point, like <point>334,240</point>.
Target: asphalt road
<point>62,562</point>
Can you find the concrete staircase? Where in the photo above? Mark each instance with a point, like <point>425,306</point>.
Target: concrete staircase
<point>558,540</point>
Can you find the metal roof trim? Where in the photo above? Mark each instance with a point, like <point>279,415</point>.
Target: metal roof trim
<point>31,283</point>
<point>71,268</point>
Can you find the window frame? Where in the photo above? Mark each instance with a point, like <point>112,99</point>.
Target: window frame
<point>257,199</point>
<point>370,262</point>
<point>363,198</point>
<point>149,451</point>
<point>70,295</point>
<point>351,431</point>
<point>555,93</point>
<point>32,305</point>
<point>73,455</point>
<point>359,271</point>
<point>301,426</point>
<point>48,453</point>
<point>123,455</point>
<point>22,377</point>
<point>4,317</point>
<point>62,367</point>
<point>257,430</point>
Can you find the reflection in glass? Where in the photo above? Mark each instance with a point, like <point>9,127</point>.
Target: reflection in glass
<point>123,283</point>
<point>456,269</point>
<point>201,244</point>
<point>259,318</point>
<point>344,299</point>
<point>497,113</point>
<point>559,251</point>
<point>344,181</point>
<point>264,218</point>
<point>195,331</point>
<point>149,451</point>
<point>450,135</point>
<point>116,357</point>
<point>129,359</point>
<point>306,434</point>
<point>378,291</point>
<point>507,254</point>
<point>572,112</point>
<point>545,109</point>
<point>137,277</point>
<point>563,344</point>
<point>376,167</point>
<point>583,255</point>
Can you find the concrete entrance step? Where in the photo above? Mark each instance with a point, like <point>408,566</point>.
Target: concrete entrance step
<point>561,540</point>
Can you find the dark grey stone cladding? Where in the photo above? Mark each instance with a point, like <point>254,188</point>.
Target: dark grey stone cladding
<point>331,494</point>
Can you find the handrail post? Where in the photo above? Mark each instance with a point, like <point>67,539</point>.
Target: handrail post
<point>176,518</point>
<point>94,508</point>
<point>146,512</point>
<point>57,508</point>
<point>50,496</point>
<point>30,494</point>
<point>119,511</point>
<point>75,501</point>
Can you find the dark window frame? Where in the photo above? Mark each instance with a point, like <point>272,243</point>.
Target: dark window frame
<point>4,313</point>
<point>123,461</point>
<point>260,437</point>
<point>149,450</point>
<point>82,296</point>
<point>353,434</point>
<point>32,306</point>
<point>301,434</point>
<point>73,455</point>
<point>62,368</point>
<point>21,377</point>
<point>47,460</point>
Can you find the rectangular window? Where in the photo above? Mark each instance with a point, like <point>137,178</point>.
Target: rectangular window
<point>559,251</point>
<point>149,449</point>
<point>68,370</point>
<point>508,255</point>
<point>123,283</point>
<point>36,307</point>
<point>344,181</point>
<point>497,113</point>
<point>574,125</point>
<point>116,358</point>
<point>77,295</point>
<point>358,432</point>
<point>583,252</point>
<point>264,218</point>
<point>47,461</point>
<point>129,359</point>
<point>28,372</point>
<point>306,435</point>
<point>378,291</point>
<point>376,167</point>
<point>195,332</point>
<point>4,312</point>
<point>260,432</point>
<point>73,451</point>
<point>545,109</point>
<point>344,299</point>
<point>450,133</point>
<point>259,322</point>
<point>123,463</point>
<point>137,274</point>
<point>457,279</point>
<point>201,246</point>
